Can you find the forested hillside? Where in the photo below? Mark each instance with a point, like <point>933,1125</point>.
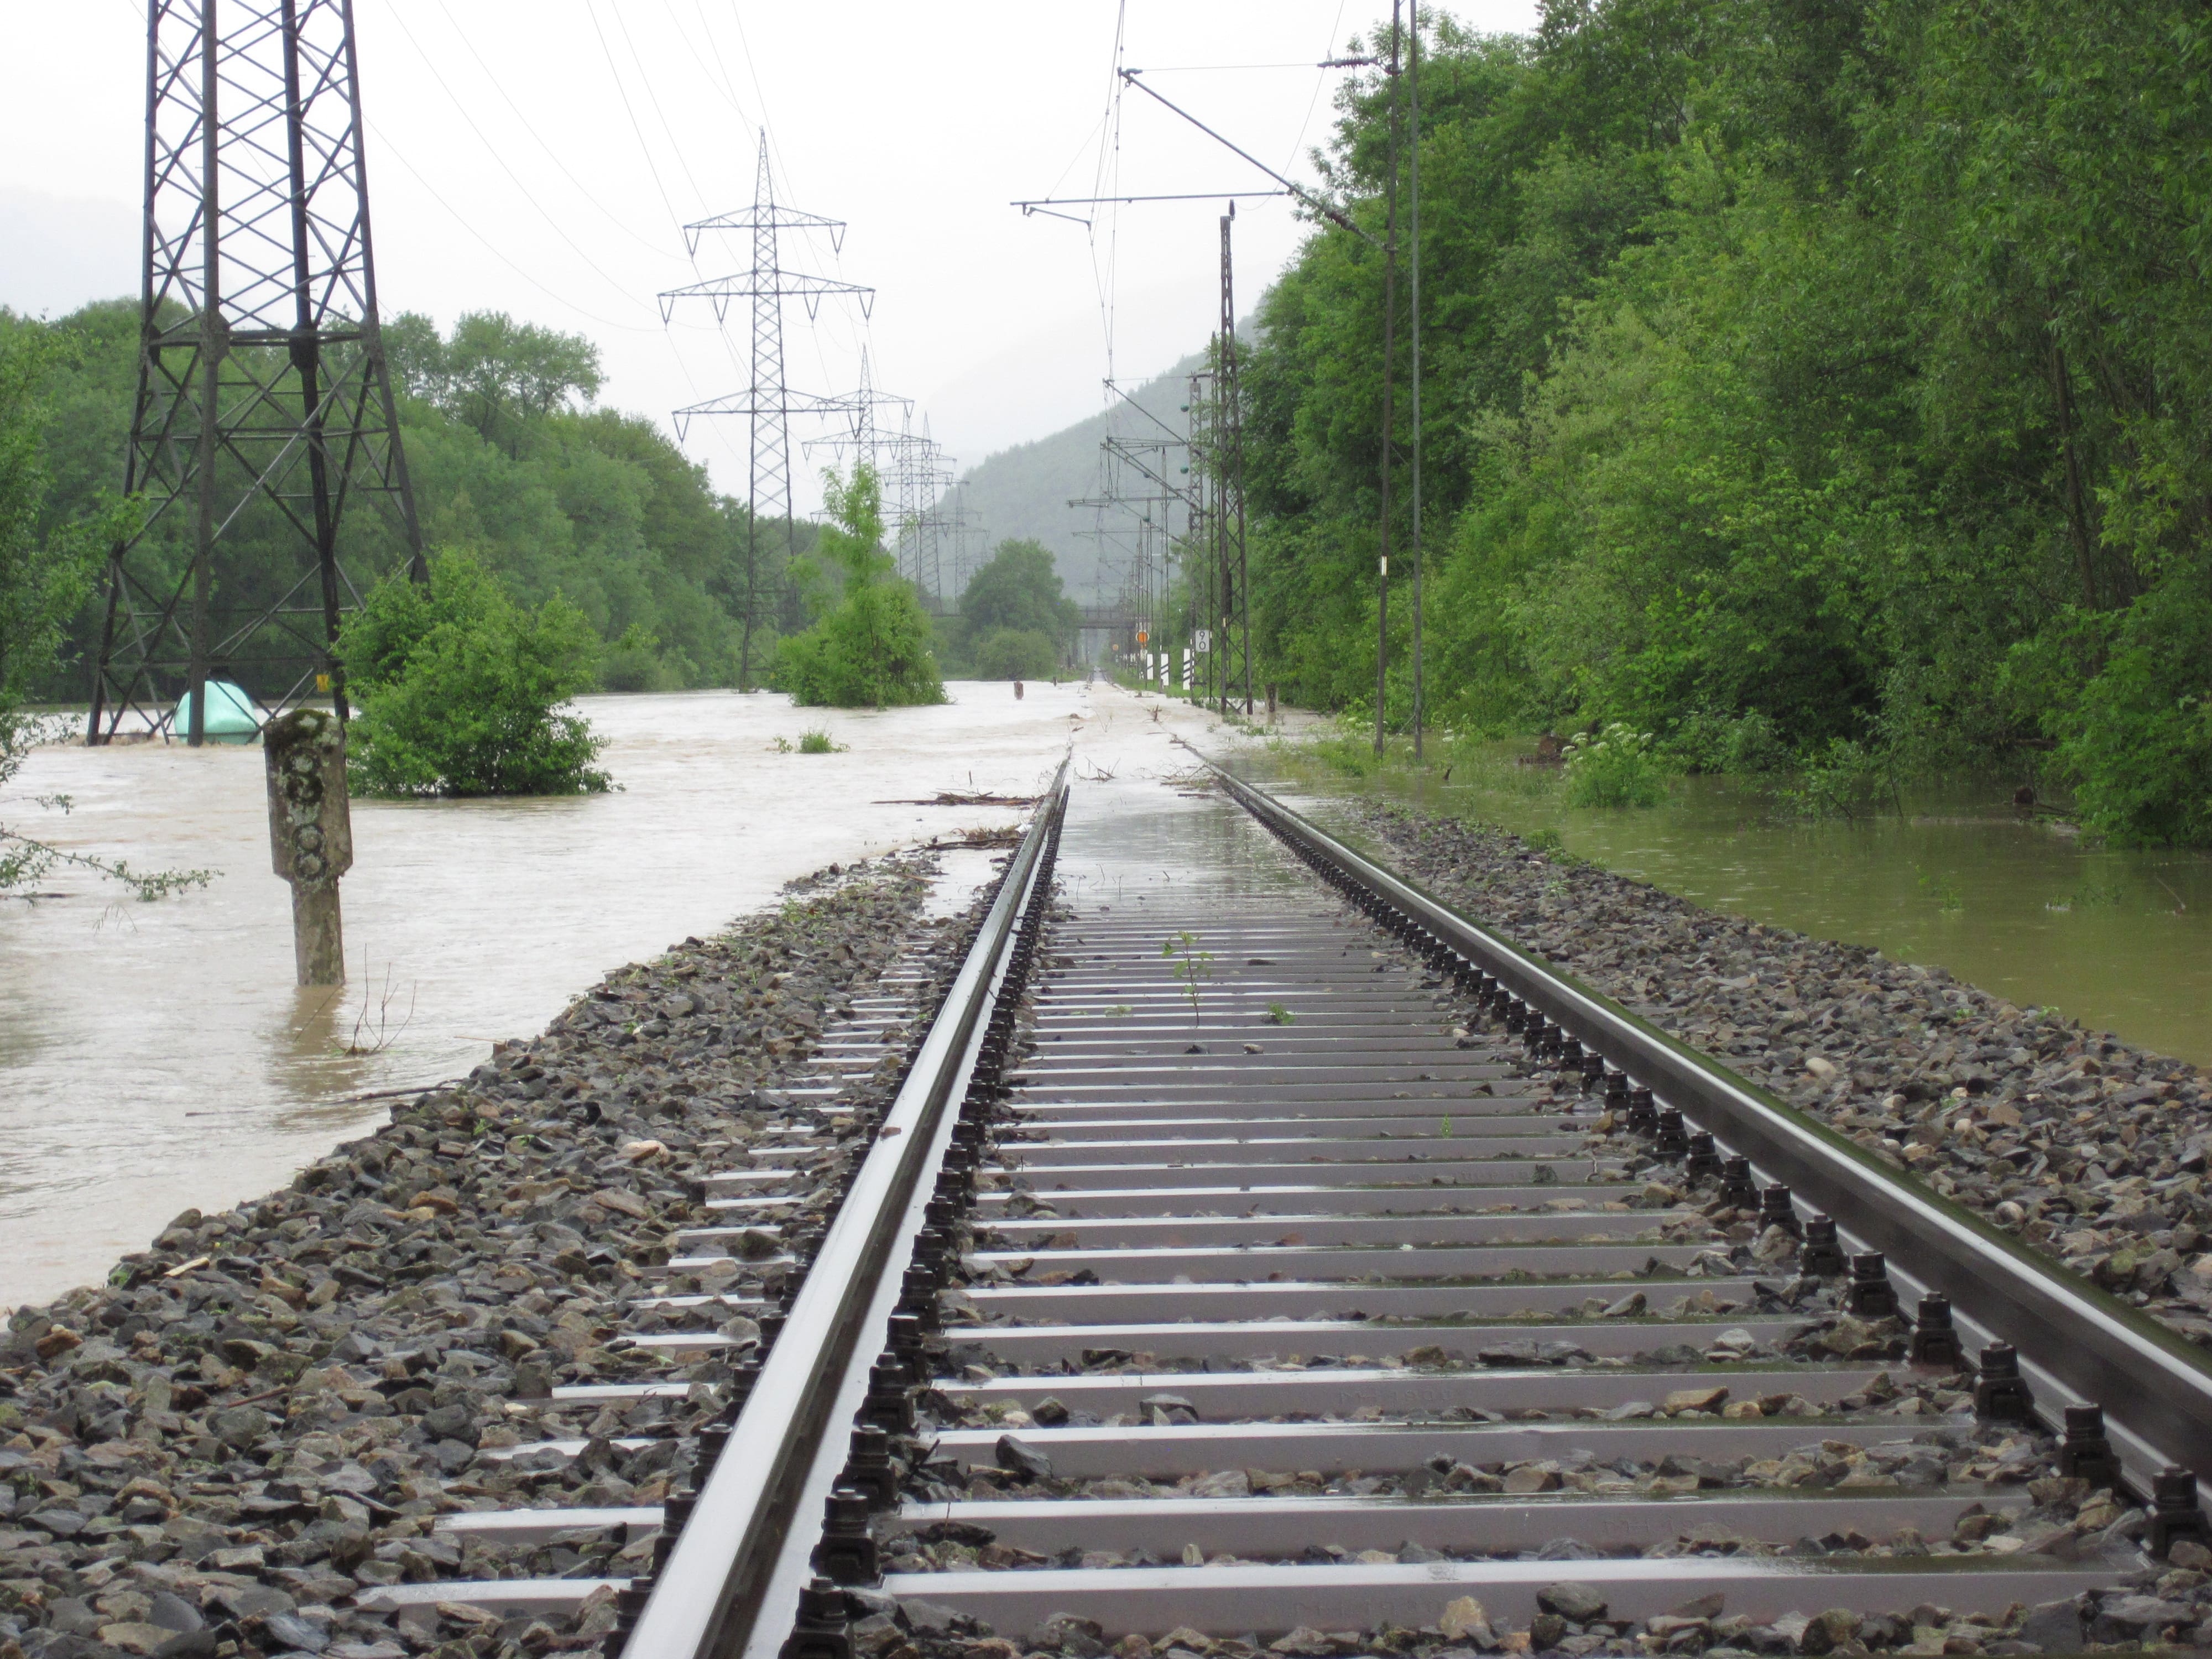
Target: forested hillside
<point>1824,377</point>
<point>510,464</point>
<point>1023,493</point>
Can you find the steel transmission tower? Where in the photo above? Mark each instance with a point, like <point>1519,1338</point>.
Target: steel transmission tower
<point>264,406</point>
<point>923,470</point>
<point>768,403</point>
<point>911,467</point>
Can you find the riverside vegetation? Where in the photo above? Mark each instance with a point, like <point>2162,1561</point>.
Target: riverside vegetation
<point>587,510</point>
<point>1812,384</point>
<point>461,689</point>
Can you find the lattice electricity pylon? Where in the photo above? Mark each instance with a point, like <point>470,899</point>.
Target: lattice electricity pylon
<point>921,470</point>
<point>964,528</point>
<point>895,454</point>
<point>264,406</point>
<point>767,403</point>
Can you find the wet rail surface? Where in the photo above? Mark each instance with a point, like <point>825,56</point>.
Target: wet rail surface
<point>1272,1271</point>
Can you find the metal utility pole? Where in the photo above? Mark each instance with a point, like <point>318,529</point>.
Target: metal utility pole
<point>1389,351</point>
<point>264,405</point>
<point>1413,326</point>
<point>1051,207</point>
<point>768,403</point>
<point>1232,479</point>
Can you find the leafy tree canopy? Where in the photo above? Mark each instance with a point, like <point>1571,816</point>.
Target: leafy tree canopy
<point>1018,588</point>
<point>460,688</point>
<point>1799,379</point>
<point>493,375</point>
<point>870,648</point>
<point>46,568</point>
<point>548,494</point>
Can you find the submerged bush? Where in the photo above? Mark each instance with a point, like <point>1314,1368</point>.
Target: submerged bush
<point>634,662</point>
<point>1015,654</point>
<point>1616,768</point>
<point>1705,741</point>
<point>458,689</point>
<point>871,649</point>
<point>1845,780</point>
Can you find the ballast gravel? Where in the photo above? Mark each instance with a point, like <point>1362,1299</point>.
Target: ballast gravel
<point>2088,1148</point>
<point>259,1421</point>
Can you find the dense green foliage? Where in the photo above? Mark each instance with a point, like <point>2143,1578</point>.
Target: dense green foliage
<point>1014,653</point>
<point>509,465</point>
<point>1015,620</point>
<point>460,690</point>
<point>46,569</point>
<point>1614,768</point>
<point>870,648</point>
<point>1802,379</point>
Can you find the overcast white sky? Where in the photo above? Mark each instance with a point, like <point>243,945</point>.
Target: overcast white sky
<point>538,156</point>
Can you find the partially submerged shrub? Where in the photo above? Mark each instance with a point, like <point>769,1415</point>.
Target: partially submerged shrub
<point>459,688</point>
<point>634,662</point>
<point>1015,654</point>
<point>1617,767</point>
<point>872,648</point>
<point>1846,779</point>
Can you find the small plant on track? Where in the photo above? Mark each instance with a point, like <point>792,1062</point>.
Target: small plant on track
<point>1192,967</point>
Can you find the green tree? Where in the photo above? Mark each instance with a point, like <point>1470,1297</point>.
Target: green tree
<point>46,569</point>
<point>460,688</point>
<point>870,648</point>
<point>1014,653</point>
<point>1018,589</point>
<point>493,375</point>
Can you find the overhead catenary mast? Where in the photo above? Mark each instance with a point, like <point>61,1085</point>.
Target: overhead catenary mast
<point>768,403</point>
<point>1220,544</point>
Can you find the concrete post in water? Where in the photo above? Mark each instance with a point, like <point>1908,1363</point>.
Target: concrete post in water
<point>310,833</point>
<point>1018,690</point>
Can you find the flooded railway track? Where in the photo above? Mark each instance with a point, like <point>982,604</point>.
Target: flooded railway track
<point>1257,1253</point>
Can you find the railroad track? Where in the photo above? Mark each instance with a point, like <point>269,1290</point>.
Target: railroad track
<point>1257,1251</point>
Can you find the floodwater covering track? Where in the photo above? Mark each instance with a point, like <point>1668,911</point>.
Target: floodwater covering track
<point>1288,1269</point>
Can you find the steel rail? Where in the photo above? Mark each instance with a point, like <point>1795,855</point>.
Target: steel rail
<point>729,1585</point>
<point>2155,1388</point>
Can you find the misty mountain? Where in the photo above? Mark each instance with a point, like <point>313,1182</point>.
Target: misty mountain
<point>1024,491</point>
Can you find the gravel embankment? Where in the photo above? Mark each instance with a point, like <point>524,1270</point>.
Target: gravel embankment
<point>261,1417</point>
<point>2088,1148</point>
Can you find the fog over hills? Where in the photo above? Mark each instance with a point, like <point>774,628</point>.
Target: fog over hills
<point>1024,491</point>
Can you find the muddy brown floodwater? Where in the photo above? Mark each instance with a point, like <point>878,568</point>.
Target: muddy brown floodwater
<point>157,1056</point>
<point>2118,940</point>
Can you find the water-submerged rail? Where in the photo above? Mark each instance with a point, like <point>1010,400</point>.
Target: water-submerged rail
<point>1253,1256</point>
